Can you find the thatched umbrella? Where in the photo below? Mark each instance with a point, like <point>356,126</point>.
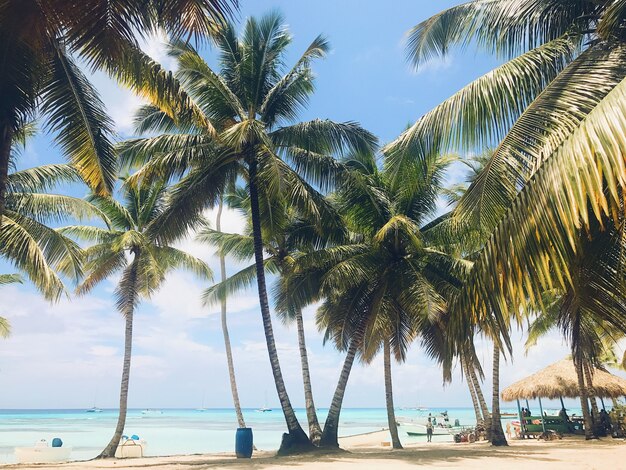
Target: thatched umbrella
<point>560,380</point>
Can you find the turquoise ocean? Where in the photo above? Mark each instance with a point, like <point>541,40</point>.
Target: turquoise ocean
<point>185,431</point>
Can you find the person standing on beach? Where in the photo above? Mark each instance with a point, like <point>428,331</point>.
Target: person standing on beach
<point>429,430</point>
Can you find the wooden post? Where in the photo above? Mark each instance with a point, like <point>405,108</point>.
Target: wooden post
<point>522,434</point>
<point>543,419</point>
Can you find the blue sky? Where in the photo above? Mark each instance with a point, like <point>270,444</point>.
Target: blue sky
<point>68,355</point>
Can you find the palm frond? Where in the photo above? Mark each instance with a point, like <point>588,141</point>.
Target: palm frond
<point>42,178</point>
<point>539,131</point>
<point>77,116</point>
<point>579,183</point>
<point>507,27</point>
<point>10,279</point>
<point>482,112</point>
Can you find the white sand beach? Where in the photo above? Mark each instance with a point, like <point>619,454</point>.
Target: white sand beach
<point>367,452</point>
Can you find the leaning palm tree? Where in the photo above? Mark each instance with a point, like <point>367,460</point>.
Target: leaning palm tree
<point>556,110</point>
<point>286,236</point>
<point>388,285</point>
<point>130,247</point>
<point>38,72</point>
<point>245,128</point>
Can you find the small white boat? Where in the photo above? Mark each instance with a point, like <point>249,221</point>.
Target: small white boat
<point>95,409</point>
<point>263,409</point>
<point>150,411</point>
<point>42,453</point>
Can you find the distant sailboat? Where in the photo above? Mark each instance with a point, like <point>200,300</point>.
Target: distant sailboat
<point>264,408</point>
<point>202,408</point>
<point>94,408</point>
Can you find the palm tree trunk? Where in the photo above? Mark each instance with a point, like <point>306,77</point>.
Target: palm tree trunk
<point>470,385</point>
<point>296,439</point>
<point>584,401</point>
<point>482,402</point>
<point>315,430</point>
<point>229,352</point>
<point>109,450</point>
<point>591,393</point>
<point>391,415</point>
<point>331,426</point>
<point>6,139</point>
<point>497,433</point>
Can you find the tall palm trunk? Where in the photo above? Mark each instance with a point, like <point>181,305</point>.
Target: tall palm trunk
<point>331,426</point>
<point>470,385</point>
<point>315,431</point>
<point>296,439</point>
<point>391,415</point>
<point>482,402</point>
<point>6,139</point>
<point>229,352</point>
<point>109,450</point>
<point>591,393</point>
<point>584,399</point>
<point>497,433</point>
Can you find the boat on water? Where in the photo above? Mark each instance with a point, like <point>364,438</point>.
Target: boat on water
<point>419,429</point>
<point>94,409</point>
<point>42,453</point>
<point>264,408</point>
<point>150,411</point>
<point>441,425</point>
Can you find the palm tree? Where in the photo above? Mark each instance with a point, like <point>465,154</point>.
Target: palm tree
<point>556,108</point>
<point>26,240</point>
<point>38,74</point>
<point>245,128</point>
<point>229,353</point>
<point>382,290</point>
<point>286,236</point>
<point>130,247</point>
<point>5,326</point>
<point>591,310</point>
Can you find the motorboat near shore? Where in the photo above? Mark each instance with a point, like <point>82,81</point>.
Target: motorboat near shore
<point>441,425</point>
<point>41,452</point>
<point>419,429</point>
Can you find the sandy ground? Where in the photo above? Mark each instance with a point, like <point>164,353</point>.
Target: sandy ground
<point>366,452</point>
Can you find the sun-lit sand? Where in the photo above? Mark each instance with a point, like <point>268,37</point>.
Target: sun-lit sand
<point>366,452</point>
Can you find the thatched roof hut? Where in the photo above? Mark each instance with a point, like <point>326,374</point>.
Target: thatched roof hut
<point>560,380</point>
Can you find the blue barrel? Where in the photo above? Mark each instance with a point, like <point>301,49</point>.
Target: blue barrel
<point>243,443</point>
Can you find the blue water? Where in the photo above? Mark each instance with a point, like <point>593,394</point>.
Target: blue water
<point>181,431</point>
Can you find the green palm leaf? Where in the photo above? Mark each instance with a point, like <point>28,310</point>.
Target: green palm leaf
<point>76,114</point>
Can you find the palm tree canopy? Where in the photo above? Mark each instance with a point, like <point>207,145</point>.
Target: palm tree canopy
<point>559,163</point>
<point>392,283</point>
<point>5,326</point>
<point>248,108</point>
<point>38,73</point>
<point>27,241</point>
<point>128,239</point>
